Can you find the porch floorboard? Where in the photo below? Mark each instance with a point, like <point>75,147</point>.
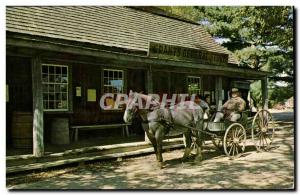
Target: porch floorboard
<point>20,163</point>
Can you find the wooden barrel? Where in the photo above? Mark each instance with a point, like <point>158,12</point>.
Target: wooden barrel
<point>60,131</point>
<point>21,131</point>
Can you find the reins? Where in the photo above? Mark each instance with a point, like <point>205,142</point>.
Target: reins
<point>169,124</point>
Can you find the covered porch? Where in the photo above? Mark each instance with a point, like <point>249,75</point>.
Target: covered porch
<point>148,74</point>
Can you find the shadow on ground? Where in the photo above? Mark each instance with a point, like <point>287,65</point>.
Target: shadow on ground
<point>273,169</point>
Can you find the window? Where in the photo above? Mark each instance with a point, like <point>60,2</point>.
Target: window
<point>55,87</point>
<point>194,85</point>
<point>113,81</point>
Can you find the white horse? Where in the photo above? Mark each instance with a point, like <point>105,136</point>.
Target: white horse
<point>158,122</point>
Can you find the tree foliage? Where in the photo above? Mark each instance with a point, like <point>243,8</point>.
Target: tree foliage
<point>260,37</point>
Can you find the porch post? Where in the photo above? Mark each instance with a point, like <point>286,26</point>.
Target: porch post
<point>218,93</point>
<point>169,83</point>
<point>38,119</point>
<point>149,81</point>
<point>149,87</point>
<point>264,88</point>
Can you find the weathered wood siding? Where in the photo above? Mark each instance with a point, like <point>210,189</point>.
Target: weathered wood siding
<point>86,72</point>
<point>178,83</point>
<point>136,82</point>
<point>18,78</point>
<point>160,82</point>
<point>86,77</point>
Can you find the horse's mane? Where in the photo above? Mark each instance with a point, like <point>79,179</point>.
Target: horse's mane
<point>154,103</point>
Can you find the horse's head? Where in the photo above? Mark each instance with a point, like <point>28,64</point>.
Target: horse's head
<point>131,107</point>
<point>137,101</point>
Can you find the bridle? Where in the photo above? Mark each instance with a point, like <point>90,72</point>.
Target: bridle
<point>160,119</point>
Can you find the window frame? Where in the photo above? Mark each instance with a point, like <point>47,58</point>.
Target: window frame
<point>116,70</point>
<point>119,69</point>
<point>54,83</point>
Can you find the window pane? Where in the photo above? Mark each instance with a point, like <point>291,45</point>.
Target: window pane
<point>44,78</point>
<point>57,96</point>
<point>57,88</point>
<point>51,88</point>
<point>115,74</point>
<point>114,90</point>
<point>45,69</point>
<point>51,105</point>
<point>64,79</point>
<point>45,88</point>
<point>109,81</point>
<point>45,104</point>
<point>105,73</point>
<point>58,78</point>
<point>105,81</point>
<point>110,74</point>
<point>64,96</point>
<point>45,96</point>
<point>105,89</point>
<point>63,88</point>
<point>118,84</point>
<point>51,69</point>
<point>64,104</point>
<point>51,96</point>
<point>109,89</point>
<point>64,70</point>
<point>58,105</point>
<point>51,78</point>
<point>57,70</point>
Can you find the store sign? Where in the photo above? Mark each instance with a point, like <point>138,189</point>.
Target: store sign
<point>186,54</point>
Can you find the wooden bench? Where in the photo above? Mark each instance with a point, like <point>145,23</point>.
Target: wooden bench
<point>97,127</point>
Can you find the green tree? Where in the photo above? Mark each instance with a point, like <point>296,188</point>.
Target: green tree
<point>260,37</point>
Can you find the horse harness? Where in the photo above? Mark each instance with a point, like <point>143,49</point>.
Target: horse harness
<point>168,124</point>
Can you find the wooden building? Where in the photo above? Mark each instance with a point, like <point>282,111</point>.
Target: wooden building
<point>61,60</point>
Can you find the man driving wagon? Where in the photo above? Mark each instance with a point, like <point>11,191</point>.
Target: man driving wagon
<point>232,109</point>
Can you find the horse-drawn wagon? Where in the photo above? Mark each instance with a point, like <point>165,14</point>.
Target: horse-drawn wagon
<point>231,137</point>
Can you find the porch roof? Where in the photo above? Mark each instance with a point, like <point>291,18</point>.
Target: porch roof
<point>30,45</point>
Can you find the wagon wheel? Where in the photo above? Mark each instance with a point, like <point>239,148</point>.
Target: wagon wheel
<point>218,143</point>
<point>234,140</point>
<point>263,130</point>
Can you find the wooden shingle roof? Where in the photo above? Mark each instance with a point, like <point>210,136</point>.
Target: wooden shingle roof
<point>110,26</point>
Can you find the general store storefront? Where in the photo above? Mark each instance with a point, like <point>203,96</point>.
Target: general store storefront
<point>61,60</point>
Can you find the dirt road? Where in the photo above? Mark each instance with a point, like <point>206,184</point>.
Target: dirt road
<point>265,170</point>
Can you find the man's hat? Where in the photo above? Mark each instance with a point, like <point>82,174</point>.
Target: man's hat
<point>234,90</point>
